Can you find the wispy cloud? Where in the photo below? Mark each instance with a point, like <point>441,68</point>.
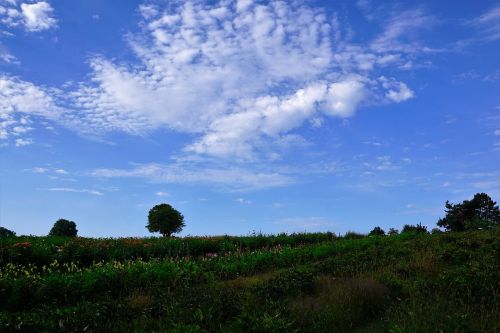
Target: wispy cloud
<point>74,190</point>
<point>39,170</point>
<point>399,34</point>
<point>6,56</point>
<point>231,178</point>
<point>489,24</point>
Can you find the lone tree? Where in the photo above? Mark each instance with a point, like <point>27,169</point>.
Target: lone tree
<point>377,231</point>
<point>164,219</point>
<point>4,232</point>
<point>64,228</point>
<point>479,213</point>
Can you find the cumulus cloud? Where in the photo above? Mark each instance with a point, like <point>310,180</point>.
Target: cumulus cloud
<point>237,75</point>
<point>396,91</point>
<point>37,16</point>
<point>20,100</point>
<point>33,17</point>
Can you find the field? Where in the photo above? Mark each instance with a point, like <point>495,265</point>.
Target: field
<point>412,282</point>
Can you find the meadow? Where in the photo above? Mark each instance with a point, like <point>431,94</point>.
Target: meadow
<point>410,282</point>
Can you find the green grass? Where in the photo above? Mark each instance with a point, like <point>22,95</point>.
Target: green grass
<point>299,283</point>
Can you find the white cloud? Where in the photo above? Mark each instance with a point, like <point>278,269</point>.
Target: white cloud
<point>148,11</point>
<point>37,16</point>
<point>18,101</point>
<point>381,163</point>
<point>396,91</point>
<point>67,189</point>
<point>61,171</point>
<point>162,194</point>
<point>23,142</point>
<point>232,178</point>
<point>489,24</point>
<point>243,201</point>
<point>400,30</point>
<point>237,75</point>
<point>6,56</point>
<point>34,17</point>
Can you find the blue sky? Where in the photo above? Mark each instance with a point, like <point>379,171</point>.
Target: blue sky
<point>246,115</point>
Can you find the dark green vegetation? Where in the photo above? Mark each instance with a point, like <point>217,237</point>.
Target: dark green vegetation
<point>411,282</point>
<point>165,219</point>
<point>479,213</point>
<point>4,232</point>
<point>64,228</point>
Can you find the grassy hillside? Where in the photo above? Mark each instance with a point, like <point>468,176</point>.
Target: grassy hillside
<point>299,283</point>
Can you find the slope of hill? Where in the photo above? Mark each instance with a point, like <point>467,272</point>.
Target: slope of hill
<point>299,283</point>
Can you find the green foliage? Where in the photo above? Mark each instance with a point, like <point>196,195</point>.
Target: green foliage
<point>377,231</point>
<point>392,231</point>
<point>165,219</point>
<point>353,235</point>
<point>64,228</point>
<point>419,228</point>
<point>479,213</point>
<point>412,282</point>
<point>4,232</point>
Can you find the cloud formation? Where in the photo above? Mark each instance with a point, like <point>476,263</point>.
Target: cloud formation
<point>74,190</point>
<point>237,75</point>
<point>34,17</point>
<point>232,178</point>
<point>20,101</point>
<point>489,24</point>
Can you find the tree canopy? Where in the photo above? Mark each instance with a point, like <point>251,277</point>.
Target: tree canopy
<point>414,228</point>
<point>64,228</point>
<point>164,219</point>
<point>377,231</point>
<point>479,213</point>
<point>4,232</point>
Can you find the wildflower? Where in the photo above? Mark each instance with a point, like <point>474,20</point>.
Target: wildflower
<point>23,245</point>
